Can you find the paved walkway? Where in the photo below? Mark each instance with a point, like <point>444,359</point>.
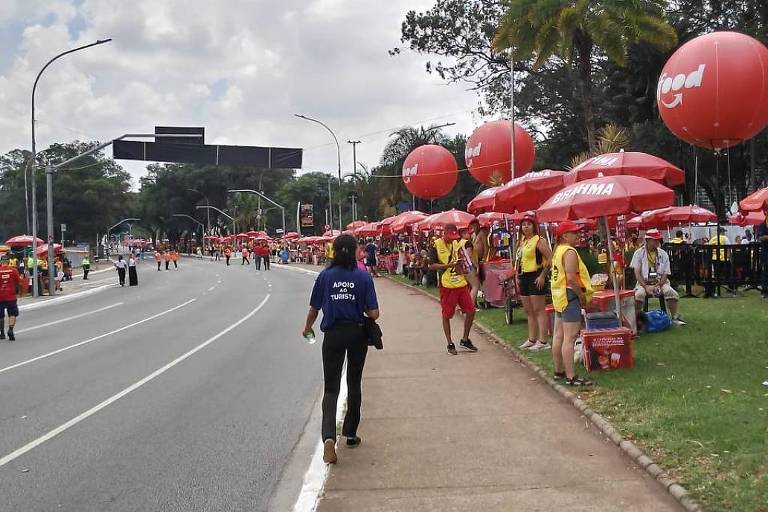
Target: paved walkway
<point>474,432</point>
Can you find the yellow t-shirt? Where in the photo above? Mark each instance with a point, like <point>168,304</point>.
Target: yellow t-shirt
<point>677,241</point>
<point>449,253</point>
<point>559,279</point>
<point>526,255</point>
<point>723,241</point>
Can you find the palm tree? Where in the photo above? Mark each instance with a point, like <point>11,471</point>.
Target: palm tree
<point>574,30</point>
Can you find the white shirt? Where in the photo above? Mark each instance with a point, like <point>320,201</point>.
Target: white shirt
<point>744,241</point>
<point>131,262</point>
<point>640,260</point>
<point>120,264</point>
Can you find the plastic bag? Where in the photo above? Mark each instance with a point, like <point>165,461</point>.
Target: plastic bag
<point>657,321</point>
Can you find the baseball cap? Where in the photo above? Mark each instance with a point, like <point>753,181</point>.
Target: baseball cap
<point>451,232</point>
<point>653,234</point>
<point>567,226</point>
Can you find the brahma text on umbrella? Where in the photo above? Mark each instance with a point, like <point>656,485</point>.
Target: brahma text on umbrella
<point>595,189</point>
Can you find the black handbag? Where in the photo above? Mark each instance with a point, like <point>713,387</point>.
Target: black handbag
<point>373,333</point>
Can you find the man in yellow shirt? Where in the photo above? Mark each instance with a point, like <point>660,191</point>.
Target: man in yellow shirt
<point>454,288</point>
<point>678,238</point>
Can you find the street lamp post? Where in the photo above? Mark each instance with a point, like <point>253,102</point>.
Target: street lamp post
<point>113,226</point>
<point>202,226</point>
<point>34,156</point>
<point>207,202</point>
<point>234,233</point>
<point>282,210</point>
<point>338,159</point>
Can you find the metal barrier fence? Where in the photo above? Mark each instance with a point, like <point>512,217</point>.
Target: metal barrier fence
<point>712,267</point>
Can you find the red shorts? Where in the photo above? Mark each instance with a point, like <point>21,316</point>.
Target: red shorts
<point>452,297</point>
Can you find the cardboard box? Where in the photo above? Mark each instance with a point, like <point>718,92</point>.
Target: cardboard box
<point>608,349</point>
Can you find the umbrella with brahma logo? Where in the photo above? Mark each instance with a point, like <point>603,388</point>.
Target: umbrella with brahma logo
<point>747,219</point>
<point>603,197</point>
<point>528,192</point>
<point>629,163</point>
<point>22,241</point>
<point>368,229</point>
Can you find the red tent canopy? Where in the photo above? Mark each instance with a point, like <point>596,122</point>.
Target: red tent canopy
<point>459,218</point>
<point>755,202</point>
<point>605,196</point>
<point>482,202</point>
<point>22,241</point>
<point>488,218</point>
<point>291,235</point>
<point>528,192</point>
<point>629,163</point>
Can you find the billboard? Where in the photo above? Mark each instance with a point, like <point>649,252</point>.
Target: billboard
<point>306,216</point>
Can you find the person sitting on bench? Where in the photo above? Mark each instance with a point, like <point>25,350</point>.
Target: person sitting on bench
<point>652,270</point>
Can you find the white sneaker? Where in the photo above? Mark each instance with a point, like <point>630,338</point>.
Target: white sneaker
<point>540,345</point>
<point>528,344</point>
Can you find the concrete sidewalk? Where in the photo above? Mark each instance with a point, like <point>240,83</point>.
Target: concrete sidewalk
<point>474,432</point>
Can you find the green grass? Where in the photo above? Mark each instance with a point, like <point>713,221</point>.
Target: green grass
<point>694,402</point>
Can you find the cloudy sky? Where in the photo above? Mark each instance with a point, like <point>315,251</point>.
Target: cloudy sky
<point>241,68</point>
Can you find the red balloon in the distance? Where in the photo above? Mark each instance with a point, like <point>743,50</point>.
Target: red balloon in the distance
<point>713,91</point>
<point>489,149</point>
<point>430,172</point>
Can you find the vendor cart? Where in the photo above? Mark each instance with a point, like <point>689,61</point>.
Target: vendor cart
<point>499,289</point>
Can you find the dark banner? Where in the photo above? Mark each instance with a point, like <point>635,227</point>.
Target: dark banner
<point>306,216</point>
<point>181,130</point>
<point>202,154</point>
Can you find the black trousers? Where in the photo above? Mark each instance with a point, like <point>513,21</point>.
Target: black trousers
<point>257,262</point>
<point>266,262</point>
<point>86,269</point>
<point>345,340</point>
<point>764,277</point>
<point>121,276</point>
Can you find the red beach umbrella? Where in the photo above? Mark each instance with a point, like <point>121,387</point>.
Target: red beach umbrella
<point>22,241</point>
<point>291,235</point>
<point>406,219</point>
<point>482,202</point>
<point>369,229</point>
<point>628,163</point>
<point>528,192</point>
<point>459,218</point>
<point>605,196</point>
<point>755,202</point>
<point>356,224</point>
<point>748,219</point>
<point>43,249</point>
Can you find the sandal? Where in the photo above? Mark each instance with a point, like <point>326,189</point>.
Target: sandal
<point>578,382</point>
<point>559,376</point>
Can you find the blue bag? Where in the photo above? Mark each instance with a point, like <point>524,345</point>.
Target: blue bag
<point>657,321</point>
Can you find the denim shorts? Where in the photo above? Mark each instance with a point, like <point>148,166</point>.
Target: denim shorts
<point>572,312</point>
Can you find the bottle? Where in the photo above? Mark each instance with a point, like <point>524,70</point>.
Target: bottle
<point>309,337</point>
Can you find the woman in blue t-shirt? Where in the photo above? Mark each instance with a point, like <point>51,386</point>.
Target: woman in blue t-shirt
<point>345,294</point>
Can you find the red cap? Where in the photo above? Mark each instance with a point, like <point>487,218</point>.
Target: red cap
<point>529,216</point>
<point>567,226</point>
<point>451,232</point>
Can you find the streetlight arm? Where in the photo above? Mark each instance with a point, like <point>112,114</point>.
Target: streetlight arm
<point>214,208</point>
<point>190,218</point>
<point>73,50</point>
<point>258,194</point>
<point>124,220</point>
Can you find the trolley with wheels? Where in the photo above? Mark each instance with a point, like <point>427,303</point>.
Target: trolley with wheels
<point>499,289</point>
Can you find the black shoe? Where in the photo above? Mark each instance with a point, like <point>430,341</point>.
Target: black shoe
<point>2,335</point>
<point>11,336</point>
<point>452,349</point>
<point>353,442</point>
<point>467,344</point>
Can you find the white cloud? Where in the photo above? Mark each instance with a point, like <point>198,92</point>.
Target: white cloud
<point>240,68</point>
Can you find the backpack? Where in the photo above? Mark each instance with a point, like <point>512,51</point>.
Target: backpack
<point>657,321</point>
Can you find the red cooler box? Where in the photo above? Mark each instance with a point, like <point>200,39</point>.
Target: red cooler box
<point>608,349</point>
<point>603,301</point>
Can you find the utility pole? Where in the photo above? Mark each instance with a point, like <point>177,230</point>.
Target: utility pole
<point>354,155</point>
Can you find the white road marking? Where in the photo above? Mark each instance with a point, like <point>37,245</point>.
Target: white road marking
<point>317,473</point>
<point>211,288</point>
<point>64,298</point>
<point>93,410</point>
<point>81,315</point>
<point>91,340</point>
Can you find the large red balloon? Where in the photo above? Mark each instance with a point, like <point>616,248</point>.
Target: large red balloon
<point>713,91</point>
<point>488,151</point>
<point>430,172</point>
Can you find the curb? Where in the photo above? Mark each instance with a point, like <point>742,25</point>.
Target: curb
<point>677,491</point>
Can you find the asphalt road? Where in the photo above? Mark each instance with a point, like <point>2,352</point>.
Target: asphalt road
<point>188,392</point>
